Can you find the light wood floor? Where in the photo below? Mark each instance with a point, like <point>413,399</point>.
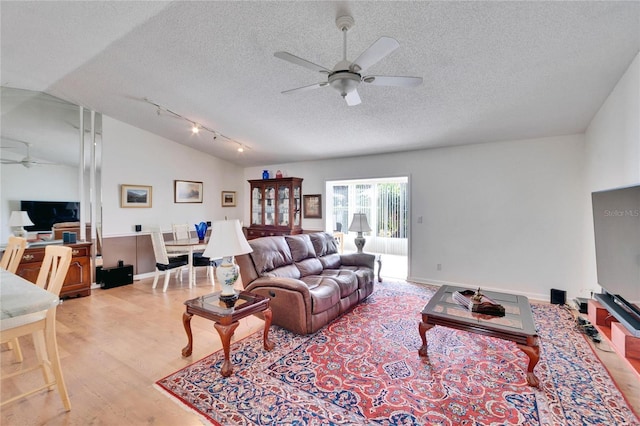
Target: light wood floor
<point>116,343</point>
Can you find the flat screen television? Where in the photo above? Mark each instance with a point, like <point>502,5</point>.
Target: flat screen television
<point>616,220</point>
<point>44,214</point>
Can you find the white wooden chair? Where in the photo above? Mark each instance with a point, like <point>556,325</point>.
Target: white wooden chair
<point>10,260</point>
<point>164,263</point>
<point>51,277</point>
<point>182,231</point>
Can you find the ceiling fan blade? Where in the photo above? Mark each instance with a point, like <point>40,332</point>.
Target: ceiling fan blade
<point>302,62</point>
<point>378,50</point>
<point>2,161</point>
<point>388,80</point>
<point>306,88</point>
<point>353,98</point>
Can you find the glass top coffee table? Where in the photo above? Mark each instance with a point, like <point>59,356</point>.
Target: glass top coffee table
<point>516,325</point>
<point>226,319</point>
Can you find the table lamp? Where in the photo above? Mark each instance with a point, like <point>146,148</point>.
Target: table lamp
<point>18,220</point>
<point>226,241</point>
<point>359,224</point>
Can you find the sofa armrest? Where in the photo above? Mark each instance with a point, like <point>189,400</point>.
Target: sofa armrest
<point>358,259</point>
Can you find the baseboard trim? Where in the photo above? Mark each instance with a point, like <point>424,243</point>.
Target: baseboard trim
<point>532,296</point>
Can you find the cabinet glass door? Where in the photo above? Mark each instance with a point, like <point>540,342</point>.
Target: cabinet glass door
<point>256,206</point>
<point>297,204</point>
<point>270,205</point>
<point>283,205</point>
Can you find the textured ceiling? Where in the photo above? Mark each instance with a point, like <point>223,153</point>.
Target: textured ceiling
<point>492,70</point>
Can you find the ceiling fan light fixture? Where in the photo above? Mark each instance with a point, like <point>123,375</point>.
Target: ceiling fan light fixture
<point>344,82</point>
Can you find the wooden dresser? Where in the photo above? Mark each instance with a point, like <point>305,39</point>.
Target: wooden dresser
<point>78,280</point>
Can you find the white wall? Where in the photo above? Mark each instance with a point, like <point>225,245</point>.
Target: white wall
<point>503,215</point>
<point>41,183</point>
<point>612,148</point>
<point>137,157</point>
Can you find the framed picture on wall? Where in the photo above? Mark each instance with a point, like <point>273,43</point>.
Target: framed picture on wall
<point>313,206</point>
<point>187,191</point>
<point>228,198</point>
<point>135,196</point>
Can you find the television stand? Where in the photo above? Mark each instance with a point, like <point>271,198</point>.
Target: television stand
<point>618,337</point>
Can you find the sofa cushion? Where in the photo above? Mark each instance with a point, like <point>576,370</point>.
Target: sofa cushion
<point>300,246</point>
<point>323,243</point>
<point>331,261</point>
<point>346,280</point>
<point>286,271</point>
<point>311,266</point>
<point>323,291</point>
<point>270,253</point>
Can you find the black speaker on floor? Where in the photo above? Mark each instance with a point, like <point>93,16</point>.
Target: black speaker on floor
<point>558,297</point>
<point>115,277</point>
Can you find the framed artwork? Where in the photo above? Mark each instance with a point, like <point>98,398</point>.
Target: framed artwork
<point>313,206</point>
<point>187,191</point>
<point>135,196</point>
<point>228,198</point>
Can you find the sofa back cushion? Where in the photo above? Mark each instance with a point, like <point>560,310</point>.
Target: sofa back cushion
<point>300,246</point>
<point>304,254</point>
<point>270,253</point>
<point>323,243</point>
<point>331,261</point>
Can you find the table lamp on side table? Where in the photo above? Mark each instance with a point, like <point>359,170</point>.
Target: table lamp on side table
<point>359,224</point>
<point>227,240</point>
<point>18,220</point>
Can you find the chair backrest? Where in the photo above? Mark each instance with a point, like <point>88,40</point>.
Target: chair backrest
<point>159,249</point>
<point>54,268</point>
<point>13,254</point>
<point>181,231</point>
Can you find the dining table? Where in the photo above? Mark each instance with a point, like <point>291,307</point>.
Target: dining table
<point>192,245</point>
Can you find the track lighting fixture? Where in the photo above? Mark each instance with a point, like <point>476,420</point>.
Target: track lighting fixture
<point>196,127</point>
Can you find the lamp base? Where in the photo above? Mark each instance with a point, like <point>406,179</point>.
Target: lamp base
<point>359,241</point>
<point>19,231</point>
<point>229,300</point>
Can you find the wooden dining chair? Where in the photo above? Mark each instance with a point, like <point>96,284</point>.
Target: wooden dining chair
<point>41,326</point>
<point>164,263</point>
<point>10,260</point>
<point>182,231</point>
<point>13,254</point>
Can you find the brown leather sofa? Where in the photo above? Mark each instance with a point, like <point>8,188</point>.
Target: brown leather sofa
<point>309,283</point>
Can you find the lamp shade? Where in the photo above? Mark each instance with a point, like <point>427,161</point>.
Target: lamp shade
<point>359,223</point>
<point>226,240</point>
<point>19,218</point>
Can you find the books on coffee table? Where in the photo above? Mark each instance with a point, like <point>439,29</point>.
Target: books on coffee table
<point>477,302</point>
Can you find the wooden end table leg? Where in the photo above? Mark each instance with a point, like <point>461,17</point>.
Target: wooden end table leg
<point>186,321</point>
<point>423,327</point>
<point>226,331</point>
<point>533,352</point>
<point>379,268</point>
<point>268,345</point>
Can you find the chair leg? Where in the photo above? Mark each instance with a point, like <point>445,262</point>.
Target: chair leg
<point>14,345</point>
<point>43,359</point>
<point>210,274</point>
<point>52,350</point>
<point>167,275</point>
<point>155,278</point>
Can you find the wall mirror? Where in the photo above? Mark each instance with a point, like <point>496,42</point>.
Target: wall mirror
<point>51,151</point>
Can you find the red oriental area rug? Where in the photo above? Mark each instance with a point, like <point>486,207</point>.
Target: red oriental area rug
<point>364,368</point>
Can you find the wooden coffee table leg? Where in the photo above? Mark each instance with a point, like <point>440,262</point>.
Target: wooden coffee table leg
<point>423,327</point>
<point>533,352</point>
<point>186,321</point>
<point>268,345</point>
<point>226,331</point>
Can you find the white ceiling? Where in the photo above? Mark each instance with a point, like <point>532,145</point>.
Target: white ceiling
<point>492,70</point>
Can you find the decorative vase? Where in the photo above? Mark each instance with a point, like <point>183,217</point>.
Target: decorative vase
<point>227,273</point>
<point>201,230</point>
<point>265,174</point>
<point>278,174</point>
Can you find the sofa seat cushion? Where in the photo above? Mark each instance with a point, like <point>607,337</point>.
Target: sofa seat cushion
<point>324,292</point>
<point>365,275</point>
<point>346,280</point>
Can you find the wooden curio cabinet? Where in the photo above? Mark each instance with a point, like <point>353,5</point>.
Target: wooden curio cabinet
<point>276,207</point>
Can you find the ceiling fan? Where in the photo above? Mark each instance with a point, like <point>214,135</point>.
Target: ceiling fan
<point>26,161</point>
<point>346,76</point>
